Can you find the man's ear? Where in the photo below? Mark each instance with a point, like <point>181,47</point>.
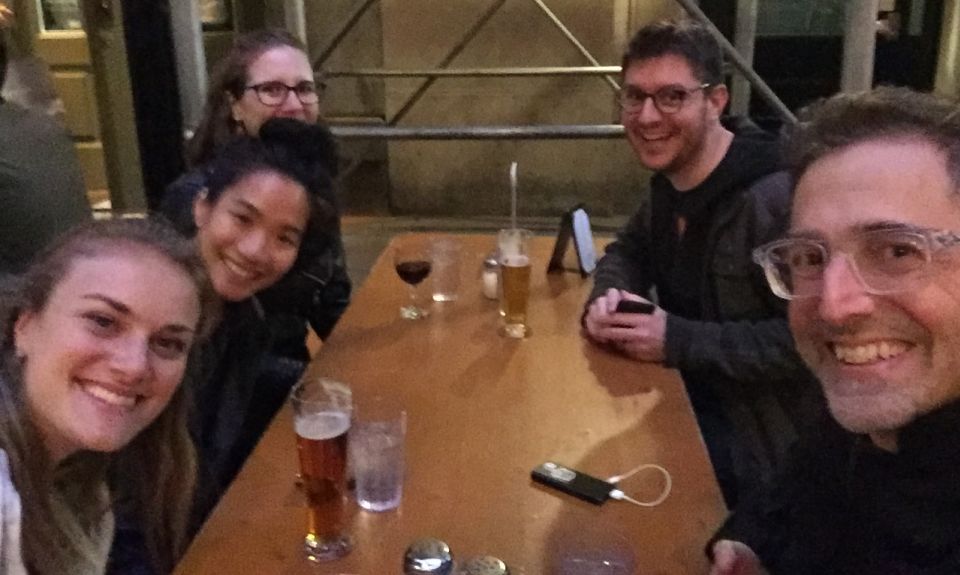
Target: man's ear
<point>717,98</point>
<point>201,209</point>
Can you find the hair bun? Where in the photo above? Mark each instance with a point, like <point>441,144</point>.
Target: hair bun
<point>311,143</point>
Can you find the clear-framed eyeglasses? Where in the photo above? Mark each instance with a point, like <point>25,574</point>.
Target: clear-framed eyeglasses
<point>885,261</point>
<point>273,94</point>
<point>668,100</point>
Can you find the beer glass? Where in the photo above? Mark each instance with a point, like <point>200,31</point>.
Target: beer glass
<point>514,244</point>
<point>321,420</point>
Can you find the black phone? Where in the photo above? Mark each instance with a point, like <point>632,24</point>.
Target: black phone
<point>572,482</point>
<point>630,306</point>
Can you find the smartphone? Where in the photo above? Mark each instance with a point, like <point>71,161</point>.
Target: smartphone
<point>630,306</point>
<point>572,482</point>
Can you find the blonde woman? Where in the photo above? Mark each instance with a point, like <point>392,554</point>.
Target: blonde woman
<point>91,365</point>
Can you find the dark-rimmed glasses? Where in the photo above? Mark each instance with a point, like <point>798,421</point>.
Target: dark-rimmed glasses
<point>885,261</point>
<point>275,93</point>
<point>668,100</point>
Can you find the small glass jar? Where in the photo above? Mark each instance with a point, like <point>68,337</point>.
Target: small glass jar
<point>491,276</point>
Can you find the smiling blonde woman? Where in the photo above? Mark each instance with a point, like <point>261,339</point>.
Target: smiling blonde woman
<point>91,365</point>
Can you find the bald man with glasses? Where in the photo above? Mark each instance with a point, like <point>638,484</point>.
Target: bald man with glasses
<point>871,270</point>
<point>717,192</point>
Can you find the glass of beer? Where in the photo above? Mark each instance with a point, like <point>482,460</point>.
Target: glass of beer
<point>321,420</point>
<point>514,244</point>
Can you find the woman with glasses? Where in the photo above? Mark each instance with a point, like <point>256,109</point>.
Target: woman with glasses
<point>267,74</point>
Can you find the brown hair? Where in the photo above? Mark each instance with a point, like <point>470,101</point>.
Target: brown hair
<point>685,38</point>
<point>60,510</point>
<point>229,78</point>
<point>885,113</point>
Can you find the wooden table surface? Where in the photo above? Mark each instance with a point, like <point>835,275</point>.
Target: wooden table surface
<point>482,412</point>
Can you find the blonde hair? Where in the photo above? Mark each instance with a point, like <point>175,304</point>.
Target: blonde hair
<point>62,521</point>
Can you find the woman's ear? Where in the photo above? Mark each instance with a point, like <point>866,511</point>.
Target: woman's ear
<point>21,333</point>
<point>235,114</point>
<point>201,209</point>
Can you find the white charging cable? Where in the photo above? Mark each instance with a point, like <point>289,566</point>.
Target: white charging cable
<point>621,496</point>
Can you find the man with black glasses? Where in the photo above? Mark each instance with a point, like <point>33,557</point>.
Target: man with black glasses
<point>871,269</point>
<point>717,193</point>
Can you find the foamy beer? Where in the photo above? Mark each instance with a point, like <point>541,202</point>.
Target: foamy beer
<point>321,420</point>
<point>514,245</point>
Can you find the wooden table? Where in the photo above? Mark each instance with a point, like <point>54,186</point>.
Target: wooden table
<point>482,412</point>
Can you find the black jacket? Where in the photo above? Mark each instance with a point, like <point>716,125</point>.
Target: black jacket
<point>845,507</point>
<point>741,343</point>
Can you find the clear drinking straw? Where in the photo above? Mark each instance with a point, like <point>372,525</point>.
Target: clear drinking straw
<point>513,195</point>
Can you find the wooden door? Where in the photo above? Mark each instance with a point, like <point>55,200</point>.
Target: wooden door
<point>82,43</point>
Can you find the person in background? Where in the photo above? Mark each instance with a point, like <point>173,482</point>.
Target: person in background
<point>42,193</point>
<point>267,74</point>
<point>717,192</point>
<point>871,269</point>
<point>91,364</point>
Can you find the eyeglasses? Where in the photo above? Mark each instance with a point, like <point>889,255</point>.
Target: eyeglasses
<point>884,261</point>
<point>669,99</point>
<point>275,93</point>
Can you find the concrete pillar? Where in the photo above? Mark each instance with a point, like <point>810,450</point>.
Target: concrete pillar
<point>947,80</point>
<point>859,45</point>
<point>295,19</point>
<point>191,64</point>
<point>744,41</point>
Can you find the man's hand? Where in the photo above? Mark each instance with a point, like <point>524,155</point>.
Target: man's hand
<point>6,16</point>
<point>735,558</point>
<point>637,335</point>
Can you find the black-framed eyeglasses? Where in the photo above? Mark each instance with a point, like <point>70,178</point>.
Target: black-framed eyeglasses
<point>669,99</point>
<point>275,93</point>
<point>885,261</point>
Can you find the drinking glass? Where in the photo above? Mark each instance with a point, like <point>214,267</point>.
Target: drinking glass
<point>412,260</point>
<point>321,421</point>
<point>514,246</point>
<point>445,272</point>
<point>376,454</point>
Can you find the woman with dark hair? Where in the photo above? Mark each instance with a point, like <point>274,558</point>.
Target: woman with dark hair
<point>91,364</point>
<point>263,211</point>
<point>267,74</point>
<point>263,199</point>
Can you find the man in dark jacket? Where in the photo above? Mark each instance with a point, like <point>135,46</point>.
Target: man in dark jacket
<point>871,269</point>
<point>717,193</point>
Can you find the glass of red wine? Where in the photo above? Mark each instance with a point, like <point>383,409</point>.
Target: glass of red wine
<point>411,258</point>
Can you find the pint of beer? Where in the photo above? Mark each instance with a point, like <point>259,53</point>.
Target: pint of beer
<point>514,245</point>
<point>321,424</point>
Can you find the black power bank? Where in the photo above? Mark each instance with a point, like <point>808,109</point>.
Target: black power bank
<point>575,483</point>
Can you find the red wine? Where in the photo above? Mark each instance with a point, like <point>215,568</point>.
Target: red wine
<point>413,272</point>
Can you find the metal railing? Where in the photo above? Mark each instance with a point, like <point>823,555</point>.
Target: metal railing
<point>389,130</point>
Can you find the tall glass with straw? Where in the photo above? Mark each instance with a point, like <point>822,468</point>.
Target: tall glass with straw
<point>514,249</point>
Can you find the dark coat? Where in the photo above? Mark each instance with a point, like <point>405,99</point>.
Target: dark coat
<point>741,344</point>
<point>845,507</point>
